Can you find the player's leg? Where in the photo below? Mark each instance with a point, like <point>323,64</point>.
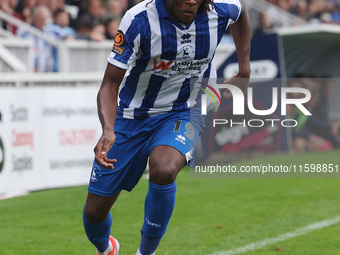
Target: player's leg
<point>105,184</point>
<point>97,221</point>
<point>171,148</point>
<point>97,207</point>
<point>165,163</point>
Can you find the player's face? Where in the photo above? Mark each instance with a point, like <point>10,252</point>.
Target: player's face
<point>183,11</point>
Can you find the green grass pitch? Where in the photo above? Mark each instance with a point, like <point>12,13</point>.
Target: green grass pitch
<point>210,215</point>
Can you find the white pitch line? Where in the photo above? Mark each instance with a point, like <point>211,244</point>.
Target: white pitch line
<point>284,237</point>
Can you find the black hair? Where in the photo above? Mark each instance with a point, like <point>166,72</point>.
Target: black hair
<point>204,8</point>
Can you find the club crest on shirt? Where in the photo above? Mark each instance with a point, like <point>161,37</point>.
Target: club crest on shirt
<point>119,42</point>
<point>187,52</point>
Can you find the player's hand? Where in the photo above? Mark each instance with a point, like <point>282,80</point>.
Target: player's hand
<point>239,80</point>
<point>103,146</point>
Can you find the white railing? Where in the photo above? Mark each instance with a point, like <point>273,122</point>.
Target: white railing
<point>73,56</point>
<point>83,56</point>
<point>4,33</point>
<point>51,79</point>
<point>16,55</point>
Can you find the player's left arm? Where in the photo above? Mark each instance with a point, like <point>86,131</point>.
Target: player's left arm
<point>241,33</point>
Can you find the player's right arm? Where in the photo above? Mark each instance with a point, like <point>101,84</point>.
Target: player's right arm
<point>107,104</point>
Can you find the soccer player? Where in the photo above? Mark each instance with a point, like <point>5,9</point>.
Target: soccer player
<point>160,46</point>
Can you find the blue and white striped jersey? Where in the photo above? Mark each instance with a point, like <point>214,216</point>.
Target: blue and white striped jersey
<point>161,55</point>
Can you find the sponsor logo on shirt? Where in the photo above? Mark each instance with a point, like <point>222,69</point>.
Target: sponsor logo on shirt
<point>186,66</point>
<point>119,42</point>
<point>161,65</point>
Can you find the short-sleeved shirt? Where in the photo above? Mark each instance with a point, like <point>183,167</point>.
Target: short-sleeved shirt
<point>161,56</point>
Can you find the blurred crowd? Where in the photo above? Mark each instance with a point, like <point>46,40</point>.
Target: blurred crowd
<point>311,11</point>
<point>96,20</point>
<point>316,132</point>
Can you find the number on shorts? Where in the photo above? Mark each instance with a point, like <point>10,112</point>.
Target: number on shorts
<point>190,131</point>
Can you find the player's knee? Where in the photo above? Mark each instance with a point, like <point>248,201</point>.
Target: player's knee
<point>94,215</point>
<point>163,173</point>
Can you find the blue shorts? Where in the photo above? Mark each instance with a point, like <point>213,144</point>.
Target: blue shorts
<point>135,139</point>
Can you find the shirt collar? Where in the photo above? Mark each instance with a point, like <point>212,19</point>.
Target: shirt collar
<point>162,12</point>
